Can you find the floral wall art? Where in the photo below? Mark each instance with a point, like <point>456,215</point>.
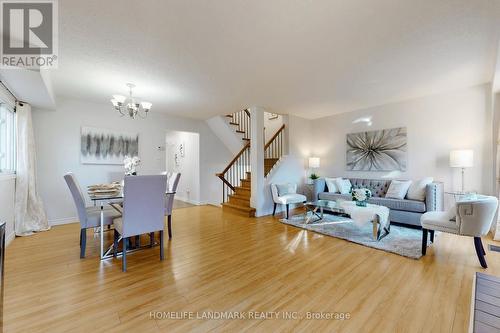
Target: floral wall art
<point>382,150</point>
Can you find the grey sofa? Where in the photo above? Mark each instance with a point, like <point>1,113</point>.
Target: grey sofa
<point>401,211</point>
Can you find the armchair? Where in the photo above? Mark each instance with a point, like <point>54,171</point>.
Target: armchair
<point>286,194</point>
<point>470,218</point>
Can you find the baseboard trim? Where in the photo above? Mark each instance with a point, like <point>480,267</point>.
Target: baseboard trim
<point>192,202</point>
<point>65,220</point>
<point>9,238</point>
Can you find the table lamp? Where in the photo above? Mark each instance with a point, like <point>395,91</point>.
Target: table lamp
<point>313,164</point>
<point>463,158</point>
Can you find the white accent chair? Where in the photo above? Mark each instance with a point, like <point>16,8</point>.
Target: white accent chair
<point>471,217</point>
<point>287,196</point>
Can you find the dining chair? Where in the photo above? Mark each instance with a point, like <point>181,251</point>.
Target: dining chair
<point>172,182</point>
<point>90,217</point>
<point>143,211</point>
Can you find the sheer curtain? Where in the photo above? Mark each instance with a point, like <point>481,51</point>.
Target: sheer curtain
<point>29,212</point>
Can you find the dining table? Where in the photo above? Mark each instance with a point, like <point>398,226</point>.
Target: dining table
<point>103,199</point>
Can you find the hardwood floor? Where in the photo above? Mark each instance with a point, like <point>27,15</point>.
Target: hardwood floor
<point>181,204</point>
<point>222,262</point>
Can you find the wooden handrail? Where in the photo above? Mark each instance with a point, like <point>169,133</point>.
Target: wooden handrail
<point>234,160</point>
<point>274,136</point>
<point>224,180</point>
<point>247,112</point>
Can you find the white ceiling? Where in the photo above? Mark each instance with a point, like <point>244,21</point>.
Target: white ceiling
<point>306,57</point>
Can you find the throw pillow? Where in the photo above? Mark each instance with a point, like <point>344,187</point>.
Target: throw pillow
<point>417,189</point>
<point>343,185</point>
<point>398,189</point>
<point>331,185</point>
<point>452,213</point>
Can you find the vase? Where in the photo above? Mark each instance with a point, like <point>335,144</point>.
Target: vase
<point>361,203</point>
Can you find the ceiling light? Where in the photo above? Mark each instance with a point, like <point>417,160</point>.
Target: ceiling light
<point>129,106</point>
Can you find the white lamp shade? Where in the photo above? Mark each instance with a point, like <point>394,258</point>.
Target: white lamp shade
<point>146,105</point>
<point>463,158</point>
<point>313,162</point>
<point>119,98</point>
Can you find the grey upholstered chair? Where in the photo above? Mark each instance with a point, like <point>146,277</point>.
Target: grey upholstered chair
<point>471,217</point>
<point>90,217</point>
<point>143,210</point>
<point>172,182</point>
<point>286,194</point>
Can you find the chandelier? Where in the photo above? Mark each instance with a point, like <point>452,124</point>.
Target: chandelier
<point>130,106</point>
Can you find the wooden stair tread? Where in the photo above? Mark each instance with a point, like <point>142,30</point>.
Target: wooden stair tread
<point>242,189</point>
<point>246,139</point>
<point>233,123</point>
<point>242,208</point>
<point>239,200</point>
<point>246,211</point>
<point>237,196</point>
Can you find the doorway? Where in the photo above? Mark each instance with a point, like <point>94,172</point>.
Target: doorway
<point>183,155</point>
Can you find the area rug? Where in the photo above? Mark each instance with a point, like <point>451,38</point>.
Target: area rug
<point>406,242</point>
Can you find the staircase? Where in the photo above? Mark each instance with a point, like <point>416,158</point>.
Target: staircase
<point>273,150</point>
<point>236,177</point>
<point>239,201</point>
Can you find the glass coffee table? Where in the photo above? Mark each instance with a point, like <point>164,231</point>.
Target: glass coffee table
<point>367,214</point>
<point>321,206</point>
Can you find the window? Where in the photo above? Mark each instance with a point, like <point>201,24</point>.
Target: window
<point>7,139</point>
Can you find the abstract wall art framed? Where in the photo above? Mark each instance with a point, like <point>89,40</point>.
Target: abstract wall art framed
<point>382,150</point>
<point>104,146</point>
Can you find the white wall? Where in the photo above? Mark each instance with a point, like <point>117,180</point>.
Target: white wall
<point>57,136</point>
<point>435,125</point>
<point>291,167</point>
<point>189,166</point>
<point>271,126</point>
<point>7,192</point>
<point>226,133</point>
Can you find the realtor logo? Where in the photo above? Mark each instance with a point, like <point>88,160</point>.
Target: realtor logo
<point>29,33</point>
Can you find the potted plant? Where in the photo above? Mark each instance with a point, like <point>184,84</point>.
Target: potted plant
<point>361,196</point>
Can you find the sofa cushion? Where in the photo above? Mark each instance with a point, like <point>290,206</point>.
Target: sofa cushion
<point>331,185</point>
<point>417,189</point>
<point>399,204</point>
<point>334,196</point>
<point>398,189</point>
<point>344,185</point>
<point>378,187</point>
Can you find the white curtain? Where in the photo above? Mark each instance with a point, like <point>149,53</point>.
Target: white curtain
<point>30,215</point>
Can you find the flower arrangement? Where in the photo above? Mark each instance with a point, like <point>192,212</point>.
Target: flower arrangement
<point>130,164</point>
<point>314,176</point>
<point>361,196</point>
